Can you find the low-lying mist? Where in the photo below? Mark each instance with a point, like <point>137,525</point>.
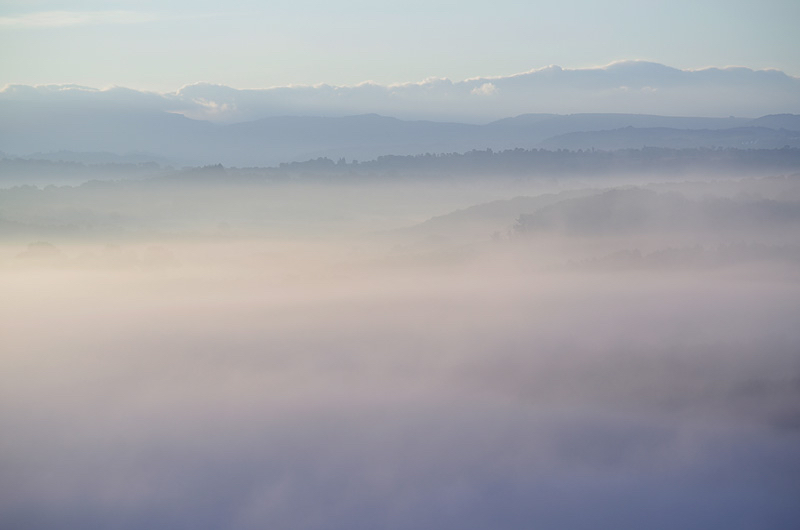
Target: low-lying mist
<point>401,356</point>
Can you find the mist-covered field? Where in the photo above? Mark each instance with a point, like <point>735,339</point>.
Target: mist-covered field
<point>476,353</point>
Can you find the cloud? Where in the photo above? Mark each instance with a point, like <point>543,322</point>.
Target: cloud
<point>58,19</point>
<point>214,107</point>
<point>649,88</point>
<point>486,89</point>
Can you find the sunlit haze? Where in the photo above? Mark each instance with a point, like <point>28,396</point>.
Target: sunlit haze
<point>411,265</point>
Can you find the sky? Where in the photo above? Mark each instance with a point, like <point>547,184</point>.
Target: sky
<point>162,46</point>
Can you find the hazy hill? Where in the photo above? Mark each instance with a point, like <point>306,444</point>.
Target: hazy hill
<point>750,137</point>
<point>778,121</point>
<point>636,210</point>
<point>740,204</point>
<point>482,221</point>
<point>535,128</point>
<point>487,166</point>
<point>31,127</point>
<point>56,171</point>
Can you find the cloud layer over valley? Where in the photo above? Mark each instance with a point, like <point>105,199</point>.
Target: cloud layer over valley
<point>214,353</point>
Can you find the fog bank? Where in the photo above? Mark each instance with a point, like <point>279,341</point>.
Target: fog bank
<point>580,358</point>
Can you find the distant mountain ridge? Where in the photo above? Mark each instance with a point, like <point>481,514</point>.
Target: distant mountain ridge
<point>164,136</point>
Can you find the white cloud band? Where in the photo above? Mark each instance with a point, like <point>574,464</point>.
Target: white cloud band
<point>58,19</point>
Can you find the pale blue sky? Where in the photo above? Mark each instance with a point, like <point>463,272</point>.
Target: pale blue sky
<point>247,44</point>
